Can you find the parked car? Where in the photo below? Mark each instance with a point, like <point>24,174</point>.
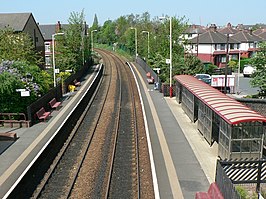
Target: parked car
<point>248,70</point>
<point>204,77</point>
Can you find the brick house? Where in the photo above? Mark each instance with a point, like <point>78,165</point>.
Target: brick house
<point>211,47</point>
<point>249,42</point>
<point>47,31</point>
<point>24,22</point>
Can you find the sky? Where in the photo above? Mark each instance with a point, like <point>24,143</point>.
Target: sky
<point>202,12</point>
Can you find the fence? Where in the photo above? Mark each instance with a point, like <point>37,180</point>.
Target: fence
<point>231,172</point>
<point>56,92</point>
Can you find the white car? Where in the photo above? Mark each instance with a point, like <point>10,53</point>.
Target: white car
<point>248,70</point>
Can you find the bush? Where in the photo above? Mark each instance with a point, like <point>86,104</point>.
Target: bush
<point>242,192</point>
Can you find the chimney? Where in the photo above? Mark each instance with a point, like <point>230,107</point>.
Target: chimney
<point>58,27</point>
<point>250,31</point>
<point>229,25</point>
<point>213,28</point>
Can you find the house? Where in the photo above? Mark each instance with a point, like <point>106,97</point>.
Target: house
<point>249,42</point>
<point>228,30</point>
<point>24,22</point>
<point>47,31</point>
<point>261,33</point>
<point>193,31</point>
<point>211,46</point>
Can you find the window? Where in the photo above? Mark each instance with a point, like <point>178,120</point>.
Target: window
<point>236,146</point>
<point>47,47</point>
<point>47,60</point>
<point>223,59</point>
<point>236,46</point>
<point>234,57</point>
<point>222,46</point>
<point>251,45</point>
<point>232,46</point>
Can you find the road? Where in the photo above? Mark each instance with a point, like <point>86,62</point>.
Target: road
<point>245,87</point>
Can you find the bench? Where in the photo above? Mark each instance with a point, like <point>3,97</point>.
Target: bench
<point>42,114</point>
<point>14,120</point>
<point>8,136</point>
<point>213,193</point>
<point>76,83</point>
<point>54,104</point>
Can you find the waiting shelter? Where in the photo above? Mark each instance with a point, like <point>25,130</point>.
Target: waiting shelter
<point>238,130</point>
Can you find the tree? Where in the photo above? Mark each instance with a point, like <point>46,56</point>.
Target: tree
<point>73,47</point>
<point>17,46</point>
<point>95,24</point>
<point>259,62</point>
<point>107,33</point>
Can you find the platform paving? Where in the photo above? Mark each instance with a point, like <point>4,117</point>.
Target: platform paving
<point>183,160</point>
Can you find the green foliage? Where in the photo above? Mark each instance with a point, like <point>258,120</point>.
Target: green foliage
<point>259,62</point>
<point>72,48</point>
<point>233,64</point>
<point>17,47</point>
<point>209,68</point>
<point>243,62</point>
<point>191,65</point>
<point>21,75</point>
<point>11,101</point>
<point>242,192</point>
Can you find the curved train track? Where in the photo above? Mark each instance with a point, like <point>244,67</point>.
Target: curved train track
<point>102,157</point>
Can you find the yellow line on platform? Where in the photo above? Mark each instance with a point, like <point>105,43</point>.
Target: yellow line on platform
<point>170,168</point>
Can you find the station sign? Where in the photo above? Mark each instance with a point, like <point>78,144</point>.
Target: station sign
<point>168,61</point>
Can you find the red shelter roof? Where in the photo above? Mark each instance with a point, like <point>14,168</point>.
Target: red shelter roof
<point>232,111</point>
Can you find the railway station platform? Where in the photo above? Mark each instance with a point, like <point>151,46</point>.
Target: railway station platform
<point>183,160</point>
<point>17,156</point>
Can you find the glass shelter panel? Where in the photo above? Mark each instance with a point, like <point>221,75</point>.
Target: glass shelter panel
<point>247,140</point>
<point>188,103</point>
<point>224,140</point>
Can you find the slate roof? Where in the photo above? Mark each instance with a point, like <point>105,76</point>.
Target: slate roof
<point>49,29</point>
<point>194,29</point>
<point>212,37</point>
<point>246,37</point>
<point>261,33</point>
<point>228,30</point>
<point>16,21</point>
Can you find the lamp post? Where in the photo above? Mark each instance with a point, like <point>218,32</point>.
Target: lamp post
<point>226,66</point>
<point>148,33</point>
<point>53,44</point>
<point>136,41</point>
<point>92,39</point>
<point>170,46</point>
<point>197,31</point>
<point>238,72</point>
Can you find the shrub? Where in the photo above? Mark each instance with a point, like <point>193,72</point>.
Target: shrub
<point>242,192</point>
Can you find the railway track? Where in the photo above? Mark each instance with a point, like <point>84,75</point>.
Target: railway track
<point>101,156</point>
